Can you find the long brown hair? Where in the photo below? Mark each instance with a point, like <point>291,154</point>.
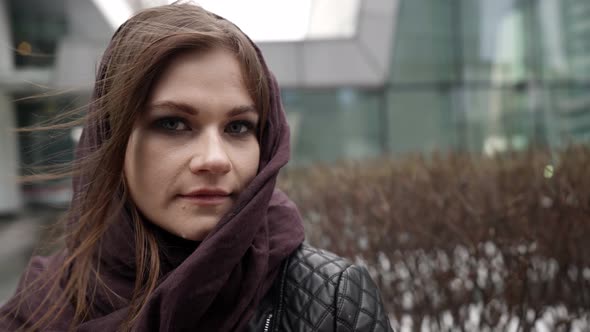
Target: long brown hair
<point>136,55</point>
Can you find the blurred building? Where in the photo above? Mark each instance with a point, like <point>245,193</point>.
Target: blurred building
<point>478,76</point>
<point>368,77</point>
<point>41,43</point>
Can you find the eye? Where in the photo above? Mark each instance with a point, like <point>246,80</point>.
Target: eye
<point>172,124</point>
<point>239,127</point>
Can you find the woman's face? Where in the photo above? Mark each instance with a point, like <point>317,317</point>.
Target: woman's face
<point>194,148</point>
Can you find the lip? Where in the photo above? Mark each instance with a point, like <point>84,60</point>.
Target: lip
<point>207,196</point>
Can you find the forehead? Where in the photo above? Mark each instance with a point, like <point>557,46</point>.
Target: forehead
<point>211,77</point>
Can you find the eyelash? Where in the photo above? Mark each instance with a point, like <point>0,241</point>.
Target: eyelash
<point>250,127</point>
<point>161,124</point>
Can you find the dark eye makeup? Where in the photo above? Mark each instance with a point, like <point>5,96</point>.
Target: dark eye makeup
<point>240,127</point>
<point>173,124</point>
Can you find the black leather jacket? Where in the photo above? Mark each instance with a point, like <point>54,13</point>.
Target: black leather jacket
<point>319,291</point>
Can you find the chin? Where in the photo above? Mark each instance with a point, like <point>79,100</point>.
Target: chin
<point>205,226</point>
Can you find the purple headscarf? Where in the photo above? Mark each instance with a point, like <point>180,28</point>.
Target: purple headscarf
<point>213,286</point>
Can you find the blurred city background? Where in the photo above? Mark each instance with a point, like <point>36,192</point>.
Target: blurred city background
<point>361,80</point>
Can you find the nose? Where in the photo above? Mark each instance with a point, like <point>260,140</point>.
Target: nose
<point>210,155</point>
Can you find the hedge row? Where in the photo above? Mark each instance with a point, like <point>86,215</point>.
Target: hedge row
<point>457,242</point>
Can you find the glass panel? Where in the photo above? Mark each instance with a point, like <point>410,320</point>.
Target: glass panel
<point>335,124</point>
<point>37,27</point>
<point>498,40</point>
<point>569,119</point>
<point>575,30</point>
<point>509,119</point>
<point>424,44</point>
<point>420,120</point>
<point>44,148</point>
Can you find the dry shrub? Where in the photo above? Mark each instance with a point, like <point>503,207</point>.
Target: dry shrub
<point>458,242</point>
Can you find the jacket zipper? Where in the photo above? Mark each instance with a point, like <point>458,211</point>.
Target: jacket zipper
<point>267,323</point>
<point>279,307</point>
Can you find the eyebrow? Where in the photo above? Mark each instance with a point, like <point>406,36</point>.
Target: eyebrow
<point>191,110</point>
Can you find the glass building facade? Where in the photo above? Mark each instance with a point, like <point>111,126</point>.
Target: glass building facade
<point>465,75</point>
<point>36,29</point>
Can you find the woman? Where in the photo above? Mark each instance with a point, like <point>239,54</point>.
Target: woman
<point>176,224</point>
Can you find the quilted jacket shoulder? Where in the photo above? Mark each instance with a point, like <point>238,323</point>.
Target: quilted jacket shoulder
<point>320,291</point>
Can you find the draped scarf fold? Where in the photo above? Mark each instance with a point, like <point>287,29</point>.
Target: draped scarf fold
<point>214,285</point>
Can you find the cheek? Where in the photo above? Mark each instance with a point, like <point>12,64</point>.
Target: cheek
<point>146,163</point>
<point>249,159</point>
<point>130,164</point>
